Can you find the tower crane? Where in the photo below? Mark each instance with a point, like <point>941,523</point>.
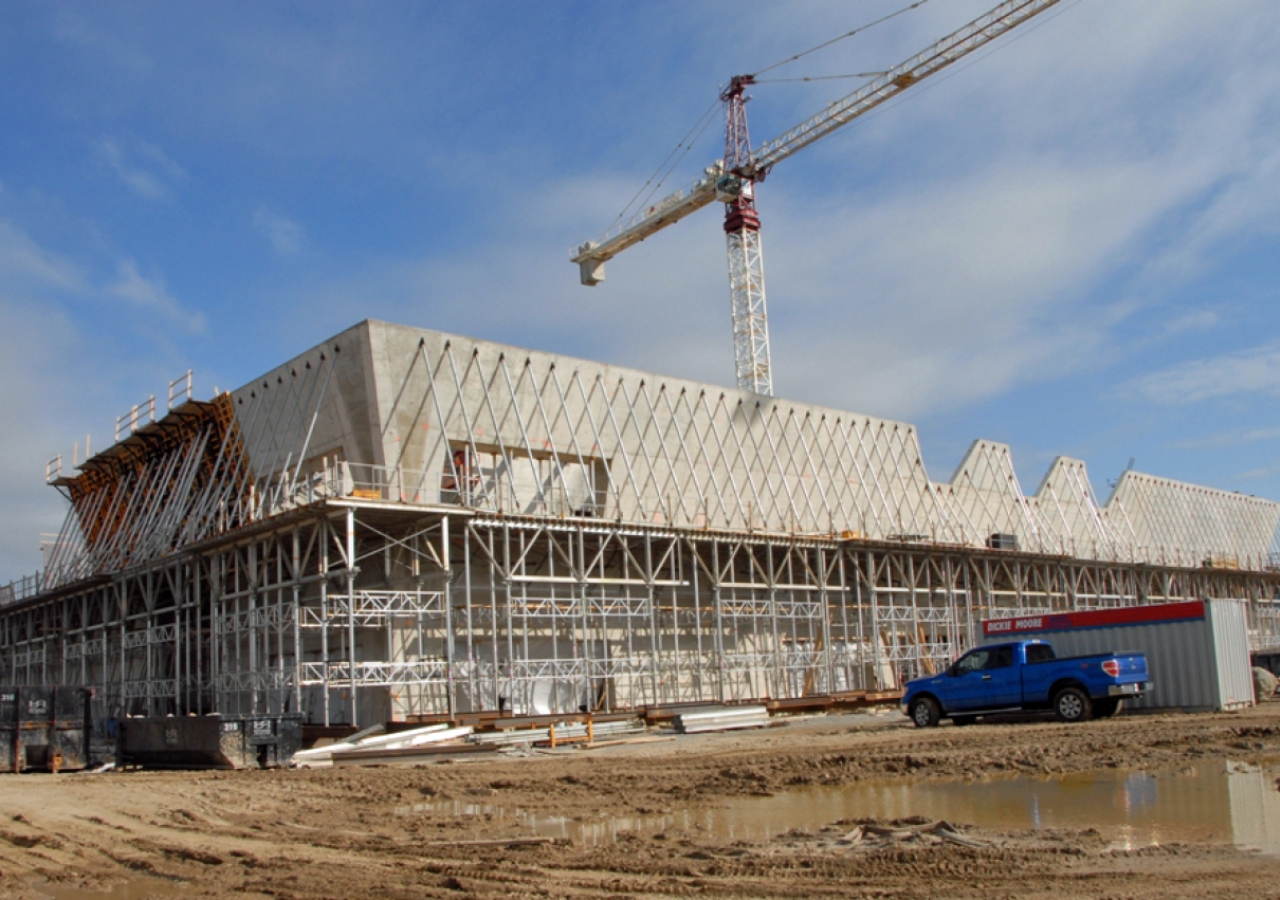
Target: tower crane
<point>732,180</point>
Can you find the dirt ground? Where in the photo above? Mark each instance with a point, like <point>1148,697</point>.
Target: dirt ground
<point>398,832</point>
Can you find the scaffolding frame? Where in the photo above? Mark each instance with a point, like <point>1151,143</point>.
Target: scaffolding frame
<point>401,524</point>
<point>356,612</point>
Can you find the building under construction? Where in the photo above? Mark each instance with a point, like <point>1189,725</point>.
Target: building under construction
<point>401,523</point>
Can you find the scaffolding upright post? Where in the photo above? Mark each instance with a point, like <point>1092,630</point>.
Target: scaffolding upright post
<point>296,616</point>
<point>326,665</point>
<point>351,611</point>
<point>450,685</point>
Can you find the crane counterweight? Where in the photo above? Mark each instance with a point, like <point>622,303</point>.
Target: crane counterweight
<point>739,216</point>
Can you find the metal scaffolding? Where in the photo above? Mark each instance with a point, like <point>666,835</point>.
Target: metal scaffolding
<point>355,611</point>
<point>401,524</point>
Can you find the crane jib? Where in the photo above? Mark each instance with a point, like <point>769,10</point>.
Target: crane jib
<point>730,180</point>
<point>976,34</point>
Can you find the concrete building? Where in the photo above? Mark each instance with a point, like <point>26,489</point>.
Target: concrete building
<point>402,523</point>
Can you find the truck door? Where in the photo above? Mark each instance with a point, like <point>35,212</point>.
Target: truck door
<point>985,679</point>
<point>1002,678</point>
<point>967,689</point>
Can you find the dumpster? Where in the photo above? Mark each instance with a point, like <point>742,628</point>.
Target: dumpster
<point>1269,660</point>
<point>44,728</point>
<point>208,742</point>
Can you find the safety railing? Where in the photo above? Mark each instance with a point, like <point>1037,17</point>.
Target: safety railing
<point>21,589</point>
<point>137,416</point>
<point>179,390</point>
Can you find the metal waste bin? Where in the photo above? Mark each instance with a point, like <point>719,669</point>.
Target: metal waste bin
<point>45,728</point>
<point>208,742</point>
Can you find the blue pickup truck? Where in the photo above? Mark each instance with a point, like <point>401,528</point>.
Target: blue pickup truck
<point>1026,675</point>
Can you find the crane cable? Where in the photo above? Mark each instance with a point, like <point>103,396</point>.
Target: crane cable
<point>973,60</point>
<point>822,77</point>
<point>834,40</point>
<point>687,142</point>
<point>704,120</point>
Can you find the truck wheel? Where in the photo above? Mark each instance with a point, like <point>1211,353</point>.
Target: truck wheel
<point>1105,709</point>
<point>961,721</point>
<point>1072,705</point>
<point>925,712</point>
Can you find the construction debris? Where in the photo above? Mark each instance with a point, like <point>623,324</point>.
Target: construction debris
<point>322,757</point>
<point>938,832</point>
<point>562,733</point>
<point>721,719</point>
<point>434,742</point>
<point>379,756</point>
<point>1265,684</point>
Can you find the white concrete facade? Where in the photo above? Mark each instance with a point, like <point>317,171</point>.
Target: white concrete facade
<point>403,523</point>
<point>424,417</point>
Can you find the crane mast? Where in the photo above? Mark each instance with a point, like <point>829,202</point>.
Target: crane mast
<point>746,257</point>
<point>733,179</point>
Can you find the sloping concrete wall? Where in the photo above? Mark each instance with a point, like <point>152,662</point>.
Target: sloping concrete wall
<point>411,415</point>
<point>1189,525</point>
<point>322,403</point>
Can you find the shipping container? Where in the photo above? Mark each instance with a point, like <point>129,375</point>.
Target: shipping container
<point>1197,652</point>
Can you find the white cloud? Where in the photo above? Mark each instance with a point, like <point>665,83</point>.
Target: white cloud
<point>970,274</point>
<point>1258,473</point>
<point>1201,321</point>
<point>42,360</point>
<point>1229,439</point>
<point>937,292</point>
<point>149,295</point>
<point>1256,370</point>
<point>32,369</point>
<point>59,378</point>
<point>285,235</point>
<point>943,293</point>
<point>25,263</point>
<point>144,168</point>
<point>86,35</point>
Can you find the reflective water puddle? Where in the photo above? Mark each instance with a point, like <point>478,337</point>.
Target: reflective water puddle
<point>1216,802</point>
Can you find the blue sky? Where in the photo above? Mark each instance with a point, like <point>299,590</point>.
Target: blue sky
<point>1069,244</point>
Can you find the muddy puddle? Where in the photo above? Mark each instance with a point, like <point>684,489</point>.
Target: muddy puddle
<point>1218,802</point>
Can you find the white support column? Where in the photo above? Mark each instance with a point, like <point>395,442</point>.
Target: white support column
<point>322,540</point>
<point>297,623</point>
<point>351,609</point>
<point>448,618</point>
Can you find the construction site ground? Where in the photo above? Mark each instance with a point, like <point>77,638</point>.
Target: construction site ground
<point>469,828</point>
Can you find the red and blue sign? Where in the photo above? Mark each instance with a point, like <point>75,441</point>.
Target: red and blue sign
<point>1190,611</point>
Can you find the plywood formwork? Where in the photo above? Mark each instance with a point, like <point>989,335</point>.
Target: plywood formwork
<point>401,523</point>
